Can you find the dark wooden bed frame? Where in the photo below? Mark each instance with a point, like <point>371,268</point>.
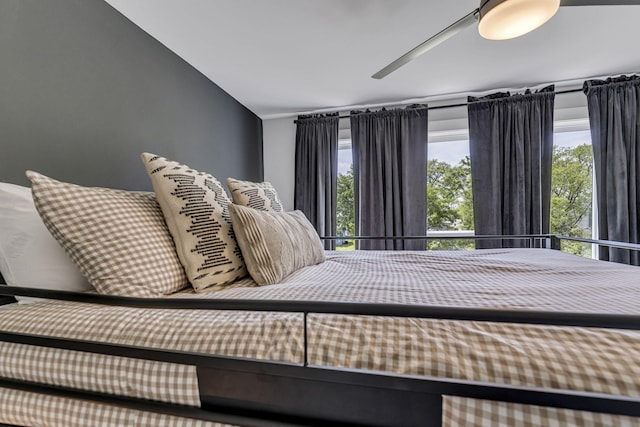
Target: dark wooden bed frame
<point>264,393</point>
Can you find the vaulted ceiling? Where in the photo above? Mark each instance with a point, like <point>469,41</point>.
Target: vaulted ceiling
<point>282,57</point>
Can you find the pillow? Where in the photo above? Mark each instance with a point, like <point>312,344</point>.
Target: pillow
<point>117,238</point>
<point>256,195</point>
<point>29,256</point>
<point>195,209</point>
<point>275,244</point>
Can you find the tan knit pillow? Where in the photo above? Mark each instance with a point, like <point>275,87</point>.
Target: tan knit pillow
<point>256,195</point>
<point>195,208</point>
<point>118,239</point>
<point>275,244</point>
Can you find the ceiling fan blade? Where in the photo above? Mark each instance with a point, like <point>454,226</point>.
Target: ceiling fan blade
<point>599,2</point>
<point>430,43</point>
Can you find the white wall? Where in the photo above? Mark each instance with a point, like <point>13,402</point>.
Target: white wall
<point>278,145</point>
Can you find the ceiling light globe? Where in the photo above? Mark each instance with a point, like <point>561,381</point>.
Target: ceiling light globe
<point>507,19</point>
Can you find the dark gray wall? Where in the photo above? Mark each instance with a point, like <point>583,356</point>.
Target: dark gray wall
<point>83,91</point>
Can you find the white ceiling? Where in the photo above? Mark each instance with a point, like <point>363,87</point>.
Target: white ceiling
<point>282,57</point>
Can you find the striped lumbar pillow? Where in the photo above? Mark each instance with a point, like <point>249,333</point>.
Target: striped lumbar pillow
<point>275,244</point>
<point>195,206</point>
<point>256,195</point>
<point>118,239</point>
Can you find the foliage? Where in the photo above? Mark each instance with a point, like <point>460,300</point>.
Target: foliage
<point>447,186</point>
<point>450,244</point>
<point>466,207</point>
<point>345,210</point>
<point>450,202</point>
<point>571,195</point>
<point>348,245</point>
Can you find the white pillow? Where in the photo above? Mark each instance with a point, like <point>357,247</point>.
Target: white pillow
<point>29,255</point>
<point>195,207</point>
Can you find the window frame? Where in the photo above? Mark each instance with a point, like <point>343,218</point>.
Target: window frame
<point>579,121</point>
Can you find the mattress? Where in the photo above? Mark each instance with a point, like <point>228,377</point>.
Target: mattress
<point>585,359</point>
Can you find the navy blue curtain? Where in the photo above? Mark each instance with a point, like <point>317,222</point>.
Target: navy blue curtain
<point>390,176</point>
<point>316,171</point>
<point>614,116</point>
<point>511,148</point>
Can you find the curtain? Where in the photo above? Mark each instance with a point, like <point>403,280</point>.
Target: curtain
<point>614,116</point>
<point>511,147</point>
<point>316,171</point>
<point>389,165</point>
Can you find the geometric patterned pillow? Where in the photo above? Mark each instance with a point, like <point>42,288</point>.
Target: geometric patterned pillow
<point>118,239</point>
<point>256,195</point>
<point>195,207</point>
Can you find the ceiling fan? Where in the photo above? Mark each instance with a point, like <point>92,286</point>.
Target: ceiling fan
<point>499,20</point>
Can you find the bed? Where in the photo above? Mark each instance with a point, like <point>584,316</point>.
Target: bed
<point>180,308</point>
<point>329,368</point>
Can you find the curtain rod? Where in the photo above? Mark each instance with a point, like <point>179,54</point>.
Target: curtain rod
<point>464,104</point>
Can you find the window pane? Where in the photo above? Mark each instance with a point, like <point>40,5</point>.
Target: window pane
<point>345,208</point>
<point>571,189</point>
<point>449,197</point>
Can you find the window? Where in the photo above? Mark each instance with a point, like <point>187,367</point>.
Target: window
<point>572,189</point>
<point>345,207</point>
<point>450,202</point>
<point>449,197</point>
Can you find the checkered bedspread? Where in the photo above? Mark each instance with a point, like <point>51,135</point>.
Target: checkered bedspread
<point>529,279</point>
